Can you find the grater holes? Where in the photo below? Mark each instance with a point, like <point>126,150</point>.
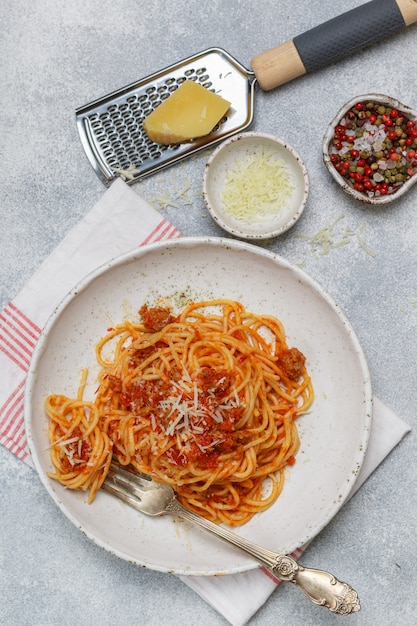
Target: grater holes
<point>118,129</point>
<point>155,152</point>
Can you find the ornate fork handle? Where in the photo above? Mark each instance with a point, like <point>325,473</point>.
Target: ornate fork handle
<point>321,587</point>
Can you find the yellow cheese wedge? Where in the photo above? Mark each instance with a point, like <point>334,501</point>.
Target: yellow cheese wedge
<point>191,111</point>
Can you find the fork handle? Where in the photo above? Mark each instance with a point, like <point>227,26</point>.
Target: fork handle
<point>321,587</point>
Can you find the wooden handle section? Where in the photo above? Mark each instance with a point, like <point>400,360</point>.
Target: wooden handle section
<point>278,66</point>
<point>329,42</point>
<point>408,10</point>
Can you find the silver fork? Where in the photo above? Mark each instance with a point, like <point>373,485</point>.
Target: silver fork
<point>145,495</point>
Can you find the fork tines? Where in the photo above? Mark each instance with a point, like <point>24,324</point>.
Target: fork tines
<point>127,485</point>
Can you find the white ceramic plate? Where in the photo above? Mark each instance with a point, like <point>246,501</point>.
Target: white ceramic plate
<point>334,435</point>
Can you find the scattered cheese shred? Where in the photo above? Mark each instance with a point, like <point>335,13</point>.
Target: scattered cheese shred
<point>127,174</point>
<point>362,242</point>
<point>257,186</point>
<point>327,239</point>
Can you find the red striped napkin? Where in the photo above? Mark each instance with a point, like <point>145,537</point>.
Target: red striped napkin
<point>119,222</point>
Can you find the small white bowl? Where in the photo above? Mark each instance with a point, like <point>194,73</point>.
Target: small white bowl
<point>222,162</point>
<point>362,196</point>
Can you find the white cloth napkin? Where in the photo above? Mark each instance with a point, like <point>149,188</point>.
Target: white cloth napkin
<point>119,222</point>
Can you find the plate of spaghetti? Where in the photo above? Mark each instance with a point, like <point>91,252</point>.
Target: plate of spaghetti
<point>216,367</point>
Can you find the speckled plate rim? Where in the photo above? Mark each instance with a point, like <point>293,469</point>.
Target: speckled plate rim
<point>334,435</point>
<point>376,201</point>
<point>237,227</point>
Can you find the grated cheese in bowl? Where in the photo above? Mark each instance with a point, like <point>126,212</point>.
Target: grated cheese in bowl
<point>258,185</point>
<point>255,186</point>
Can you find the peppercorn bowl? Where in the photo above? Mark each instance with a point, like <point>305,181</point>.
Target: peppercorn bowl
<point>255,186</point>
<point>370,148</point>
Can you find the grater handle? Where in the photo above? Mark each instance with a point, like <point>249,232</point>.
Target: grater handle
<point>329,42</point>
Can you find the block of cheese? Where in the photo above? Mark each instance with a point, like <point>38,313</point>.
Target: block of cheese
<point>191,111</point>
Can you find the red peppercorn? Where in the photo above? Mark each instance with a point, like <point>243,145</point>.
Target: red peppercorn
<point>401,135</point>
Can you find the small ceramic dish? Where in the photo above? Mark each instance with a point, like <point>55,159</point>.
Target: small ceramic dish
<point>255,186</point>
<point>371,151</point>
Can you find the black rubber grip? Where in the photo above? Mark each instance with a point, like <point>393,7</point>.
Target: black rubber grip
<point>348,33</point>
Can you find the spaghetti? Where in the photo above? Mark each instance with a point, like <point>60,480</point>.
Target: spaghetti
<point>205,401</point>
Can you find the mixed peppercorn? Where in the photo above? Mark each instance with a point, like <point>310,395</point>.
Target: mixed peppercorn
<point>374,147</point>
